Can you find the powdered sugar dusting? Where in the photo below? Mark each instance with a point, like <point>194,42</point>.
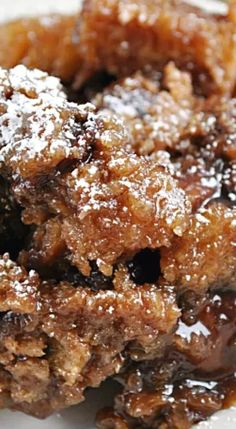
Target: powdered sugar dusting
<point>37,123</point>
<point>123,202</point>
<point>115,201</point>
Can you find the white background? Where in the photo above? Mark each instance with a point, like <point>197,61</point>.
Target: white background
<point>14,8</point>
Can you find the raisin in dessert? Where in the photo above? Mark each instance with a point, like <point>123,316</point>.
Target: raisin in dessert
<point>119,274</point>
<point>117,216</point>
<point>193,381</point>
<point>12,230</point>
<point>154,111</point>
<point>58,339</point>
<point>80,176</point>
<point>123,36</point>
<point>196,376</point>
<point>171,125</point>
<point>69,307</point>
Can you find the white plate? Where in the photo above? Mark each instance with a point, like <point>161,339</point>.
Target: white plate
<point>81,416</point>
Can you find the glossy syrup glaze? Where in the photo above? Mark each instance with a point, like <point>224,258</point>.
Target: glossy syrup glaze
<point>123,210</point>
<point>194,379</point>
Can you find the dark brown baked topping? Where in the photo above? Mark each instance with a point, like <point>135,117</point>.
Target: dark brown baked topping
<point>203,258</point>
<point>121,252</point>
<point>109,204</point>
<point>156,116</point>
<point>78,335</point>
<point>123,36</point>
<point>38,124</point>
<point>117,217</point>
<point>194,137</point>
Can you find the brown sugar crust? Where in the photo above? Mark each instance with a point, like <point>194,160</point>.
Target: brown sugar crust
<point>156,115</point>
<point>48,43</point>
<point>98,211</point>
<point>57,339</point>
<point>109,202</point>
<point>194,137</point>
<point>200,42</point>
<point>123,36</point>
<point>208,152</point>
<point>38,130</point>
<point>126,268</point>
<point>139,193</point>
<point>206,255</point>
